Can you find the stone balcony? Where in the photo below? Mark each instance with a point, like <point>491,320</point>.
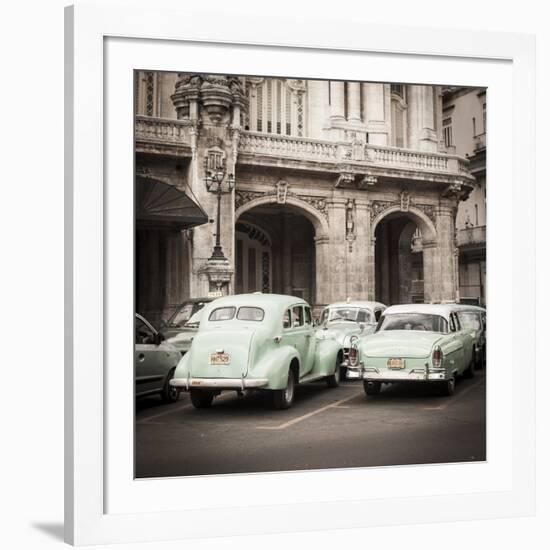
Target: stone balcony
<point>471,237</point>
<point>163,136</point>
<point>173,137</point>
<point>266,148</point>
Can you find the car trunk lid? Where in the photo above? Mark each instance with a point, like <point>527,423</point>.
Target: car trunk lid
<point>223,354</point>
<point>400,343</point>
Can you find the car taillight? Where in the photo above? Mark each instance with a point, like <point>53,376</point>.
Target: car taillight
<point>437,357</point>
<point>353,354</point>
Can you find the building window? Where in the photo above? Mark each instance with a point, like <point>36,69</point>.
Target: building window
<point>477,215</point>
<point>484,117</point>
<point>448,132</point>
<point>398,89</point>
<point>474,125</point>
<point>279,107</point>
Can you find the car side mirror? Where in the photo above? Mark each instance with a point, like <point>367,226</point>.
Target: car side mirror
<point>159,338</point>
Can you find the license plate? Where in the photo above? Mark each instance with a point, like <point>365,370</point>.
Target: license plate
<point>396,363</point>
<point>220,359</point>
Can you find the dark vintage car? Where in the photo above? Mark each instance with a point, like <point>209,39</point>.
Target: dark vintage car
<point>155,360</point>
<point>183,322</point>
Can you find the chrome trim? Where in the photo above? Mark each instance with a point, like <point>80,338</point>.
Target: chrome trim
<point>372,373</point>
<point>227,383</point>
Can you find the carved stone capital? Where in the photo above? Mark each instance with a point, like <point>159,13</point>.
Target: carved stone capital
<point>345,179</point>
<point>367,180</point>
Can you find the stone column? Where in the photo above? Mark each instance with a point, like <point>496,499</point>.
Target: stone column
<point>354,101</point>
<point>439,259</point>
<point>431,271</point>
<point>414,115</point>
<point>337,108</point>
<point>428,141</point>
<point>358,257</point>
<point>421,118</point>
<point>371,271</point>
<point>446,250</point>
<point>375,113</point>
<point>337,259</point>
<point>323,271</point>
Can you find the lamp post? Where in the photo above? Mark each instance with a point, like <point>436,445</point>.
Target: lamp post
<point>214,175</point>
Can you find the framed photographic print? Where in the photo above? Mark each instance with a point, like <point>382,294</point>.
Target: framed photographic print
<point>297,291</point>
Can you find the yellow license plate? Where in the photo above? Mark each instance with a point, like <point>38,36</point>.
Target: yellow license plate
<point>396,363</point>
<point>220,359</point>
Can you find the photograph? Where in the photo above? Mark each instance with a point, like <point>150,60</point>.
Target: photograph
<point>309,274</point>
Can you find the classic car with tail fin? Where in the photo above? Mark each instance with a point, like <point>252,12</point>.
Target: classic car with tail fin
<point>474,318</point>
<point>256,342</point>
<point>415,343</point>
<point>342,320</point>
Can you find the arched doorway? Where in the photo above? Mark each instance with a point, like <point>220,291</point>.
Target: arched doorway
<point>253,261</point>
<point>275,251</point>
<point>401,273</point>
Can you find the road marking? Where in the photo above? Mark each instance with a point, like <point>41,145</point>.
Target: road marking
<point>456,397</point>
<point>308,415</point>
<point>172,410</point>
<point>158,415</point>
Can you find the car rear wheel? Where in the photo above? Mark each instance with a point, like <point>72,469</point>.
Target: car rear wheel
<point>372,388</point>
<point>201,399</point>
<point>448,386</point>
<point>282,399</point>
<point>333,381</point>
<point>169,394</point>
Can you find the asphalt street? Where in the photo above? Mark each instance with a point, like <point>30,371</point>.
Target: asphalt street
<point>325,428</point>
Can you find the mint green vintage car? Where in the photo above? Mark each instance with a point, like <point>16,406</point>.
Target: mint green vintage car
<point>415,343</point>
<point>342,320</point>
<point>256,341</point>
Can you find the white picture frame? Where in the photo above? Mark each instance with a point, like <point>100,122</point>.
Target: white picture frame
<point>103,503</point>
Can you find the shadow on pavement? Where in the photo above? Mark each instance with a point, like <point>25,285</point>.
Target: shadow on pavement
<point>54,530</point>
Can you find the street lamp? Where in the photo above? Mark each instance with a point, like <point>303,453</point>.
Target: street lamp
<point>214,174</point>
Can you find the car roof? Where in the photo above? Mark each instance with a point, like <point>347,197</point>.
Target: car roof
<point>197,300</point>
<point>465,307</point>
<point>444,310</point>
<point>357,303</point>
<point>258,299</point>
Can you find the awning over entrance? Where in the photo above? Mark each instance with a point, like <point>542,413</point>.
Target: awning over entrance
<point>163,205</point>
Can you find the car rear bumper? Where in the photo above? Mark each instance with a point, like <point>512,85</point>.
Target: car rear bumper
<point>219,383</point>
<point>376,375</point>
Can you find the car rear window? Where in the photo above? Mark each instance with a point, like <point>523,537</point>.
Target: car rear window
<point>250,314</point>
<point>413,321</point>
<point>244,313</point>
<point>222,314</point>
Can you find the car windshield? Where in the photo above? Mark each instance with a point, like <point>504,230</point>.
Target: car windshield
<point>185,314</point>
<point>412,321</point>
<point>355,314</point>
<point>469,320</point>
<point>195,319</point>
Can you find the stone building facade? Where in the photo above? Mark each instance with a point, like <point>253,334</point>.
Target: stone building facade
<point>465,133</point>
<point>341,189</point>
